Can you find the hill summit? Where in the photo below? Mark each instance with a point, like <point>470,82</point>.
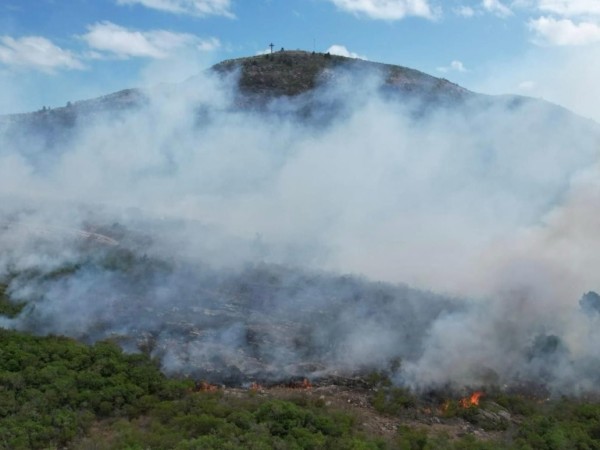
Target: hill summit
<point>262,78</point>
<point>290,73</point>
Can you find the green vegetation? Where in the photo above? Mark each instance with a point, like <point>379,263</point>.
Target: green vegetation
<point>557,425</point>
<point>9,308</point>
<point>58,393</point>
<point>219,421</point>
<point>52,389</point>
<point>393,400</point>
<point>565,424</point>
<point>293,73</point>
<point>513,421</point>
<point>55,392</point>
<point>389,399</point>
<point>280,73</point>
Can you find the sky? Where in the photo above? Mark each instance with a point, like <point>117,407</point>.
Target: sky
<point>54,51</point>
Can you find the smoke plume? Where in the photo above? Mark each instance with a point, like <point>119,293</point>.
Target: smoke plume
<point>333,232</point>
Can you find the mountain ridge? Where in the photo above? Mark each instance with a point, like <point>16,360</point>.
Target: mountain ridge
<point>309,88</point>
<point>295,72</point>
<point>280,74</point>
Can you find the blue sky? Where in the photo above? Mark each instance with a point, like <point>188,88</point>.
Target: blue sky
<point>53,51</point>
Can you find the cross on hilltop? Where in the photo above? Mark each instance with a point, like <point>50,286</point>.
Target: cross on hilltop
<point>271,45</point>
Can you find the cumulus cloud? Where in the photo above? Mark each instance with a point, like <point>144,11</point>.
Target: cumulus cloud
<point>497,7</point>
<point>126,43</point>
<point>341,50</point>
<point>565,22</point>
<point>36,52</point>
<point>564,32</point>
<point>570,7</point>
<point>387,9</point>
<point>464,11</point>
<point>192,7</point>
<point>454,66</point>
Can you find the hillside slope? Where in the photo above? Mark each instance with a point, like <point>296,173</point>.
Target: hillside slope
<point>316,85</point>
<point>293,73</point>
<point>286,73</point>
<point>237,201</point>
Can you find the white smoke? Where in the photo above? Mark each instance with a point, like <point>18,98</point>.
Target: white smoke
<point>490,199</point>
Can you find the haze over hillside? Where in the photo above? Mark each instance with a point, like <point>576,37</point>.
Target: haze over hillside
<point>238,200</point>
<point>263,78</point>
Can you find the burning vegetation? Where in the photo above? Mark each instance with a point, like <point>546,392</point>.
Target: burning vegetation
<point>472,400</point>
<point>204,386</point>
<point>389,416</point>
<point>339,361</point>
<point>295,384</point>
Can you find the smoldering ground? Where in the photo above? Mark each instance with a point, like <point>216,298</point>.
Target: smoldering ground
<point>235,225</point>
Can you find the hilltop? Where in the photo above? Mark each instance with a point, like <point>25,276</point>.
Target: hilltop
<point>318,86</point>
<point>290,73</point>
<point>262,77</point>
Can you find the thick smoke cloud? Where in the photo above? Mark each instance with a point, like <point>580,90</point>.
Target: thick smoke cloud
<point>234,225</point>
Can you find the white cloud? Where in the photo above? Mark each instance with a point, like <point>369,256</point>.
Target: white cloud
<point>125,43</point>
<point>496,7</point>
<point>341,50</point>
<point>564,32</point>
<point>570,7</point>
<point>208,45</point>
<point>193,7</point>
<point>455,66</point>
<point>387,9</point>
<point>527,85</point>
<point>464,11</point>
<point>36,52</point>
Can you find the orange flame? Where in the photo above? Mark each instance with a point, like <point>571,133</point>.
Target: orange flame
<point>255,387</point>
<point>473,400</point>
<point>306,384</point>
<point>204,386</point>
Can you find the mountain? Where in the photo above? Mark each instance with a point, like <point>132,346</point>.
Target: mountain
<point>260,81</point>
<point>284,73</point>
<point>297,163</point>
<point>292,73</point>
